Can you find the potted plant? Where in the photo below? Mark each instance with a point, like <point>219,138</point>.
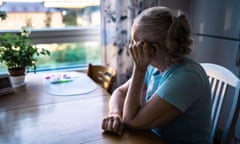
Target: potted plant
<point>19,53</point>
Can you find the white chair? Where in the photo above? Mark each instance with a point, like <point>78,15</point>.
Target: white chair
<point>220,79</point>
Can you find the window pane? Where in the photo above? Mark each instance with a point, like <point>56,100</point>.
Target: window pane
<point>69,29</point>
<point>50,14</point>
<point>67,55</point>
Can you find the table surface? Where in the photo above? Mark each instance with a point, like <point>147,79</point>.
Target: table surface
<point>33,116</point>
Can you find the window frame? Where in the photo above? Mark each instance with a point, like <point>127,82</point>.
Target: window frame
<point>62,35</point>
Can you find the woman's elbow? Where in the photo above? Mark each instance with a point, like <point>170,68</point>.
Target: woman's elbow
<point>131,123</point>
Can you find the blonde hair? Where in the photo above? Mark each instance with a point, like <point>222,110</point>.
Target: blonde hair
<point>159,25</point>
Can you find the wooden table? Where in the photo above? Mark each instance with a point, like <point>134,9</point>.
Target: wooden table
<point>32,116</point>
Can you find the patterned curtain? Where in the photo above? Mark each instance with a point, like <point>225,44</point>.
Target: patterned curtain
<point>117,18</point>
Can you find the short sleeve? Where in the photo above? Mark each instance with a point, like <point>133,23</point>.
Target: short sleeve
<point>148,74</point>
<point>181,89</point>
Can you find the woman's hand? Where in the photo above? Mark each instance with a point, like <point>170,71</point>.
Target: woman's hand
<point>113,123</point>
<point>142,53</point>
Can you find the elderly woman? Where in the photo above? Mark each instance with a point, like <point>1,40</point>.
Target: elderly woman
<point>168,92</point>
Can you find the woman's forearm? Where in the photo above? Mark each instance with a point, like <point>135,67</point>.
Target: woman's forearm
<point>116,103</point>
<point>133,98</point>
<point>117,99</point>
<point>113,121</point>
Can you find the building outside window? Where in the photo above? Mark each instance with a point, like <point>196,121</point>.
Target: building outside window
<point>69,29</point>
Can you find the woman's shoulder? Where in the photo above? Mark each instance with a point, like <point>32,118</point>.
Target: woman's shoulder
<point>189,64</point>
<point>190,67</point>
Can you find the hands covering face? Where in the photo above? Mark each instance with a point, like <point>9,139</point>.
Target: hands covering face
<point>142,53</point>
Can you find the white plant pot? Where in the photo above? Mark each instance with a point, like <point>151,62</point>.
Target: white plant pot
<point>17,81</point>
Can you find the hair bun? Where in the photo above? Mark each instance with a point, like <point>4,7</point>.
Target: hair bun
<point>178,39</point>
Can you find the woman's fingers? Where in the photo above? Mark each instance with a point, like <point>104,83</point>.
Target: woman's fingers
<point>103,123</point>
<point>138,50</point>
<point>116,125</point>
<point>146,50</point>
<point>112,124</point>
<point>149,50</point>
<point>133,53</point>
<point>142,53</point>
<point>121,129</point>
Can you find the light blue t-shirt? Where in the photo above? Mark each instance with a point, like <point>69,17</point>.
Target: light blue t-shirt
<point>185,86</point>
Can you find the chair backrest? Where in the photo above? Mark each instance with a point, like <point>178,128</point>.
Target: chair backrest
<point>102,75</point>
<point>220,79</point>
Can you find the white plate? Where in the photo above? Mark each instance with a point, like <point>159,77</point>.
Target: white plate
<point>79,83</point>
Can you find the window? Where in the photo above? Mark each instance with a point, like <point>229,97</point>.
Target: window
<point>70,29</point>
